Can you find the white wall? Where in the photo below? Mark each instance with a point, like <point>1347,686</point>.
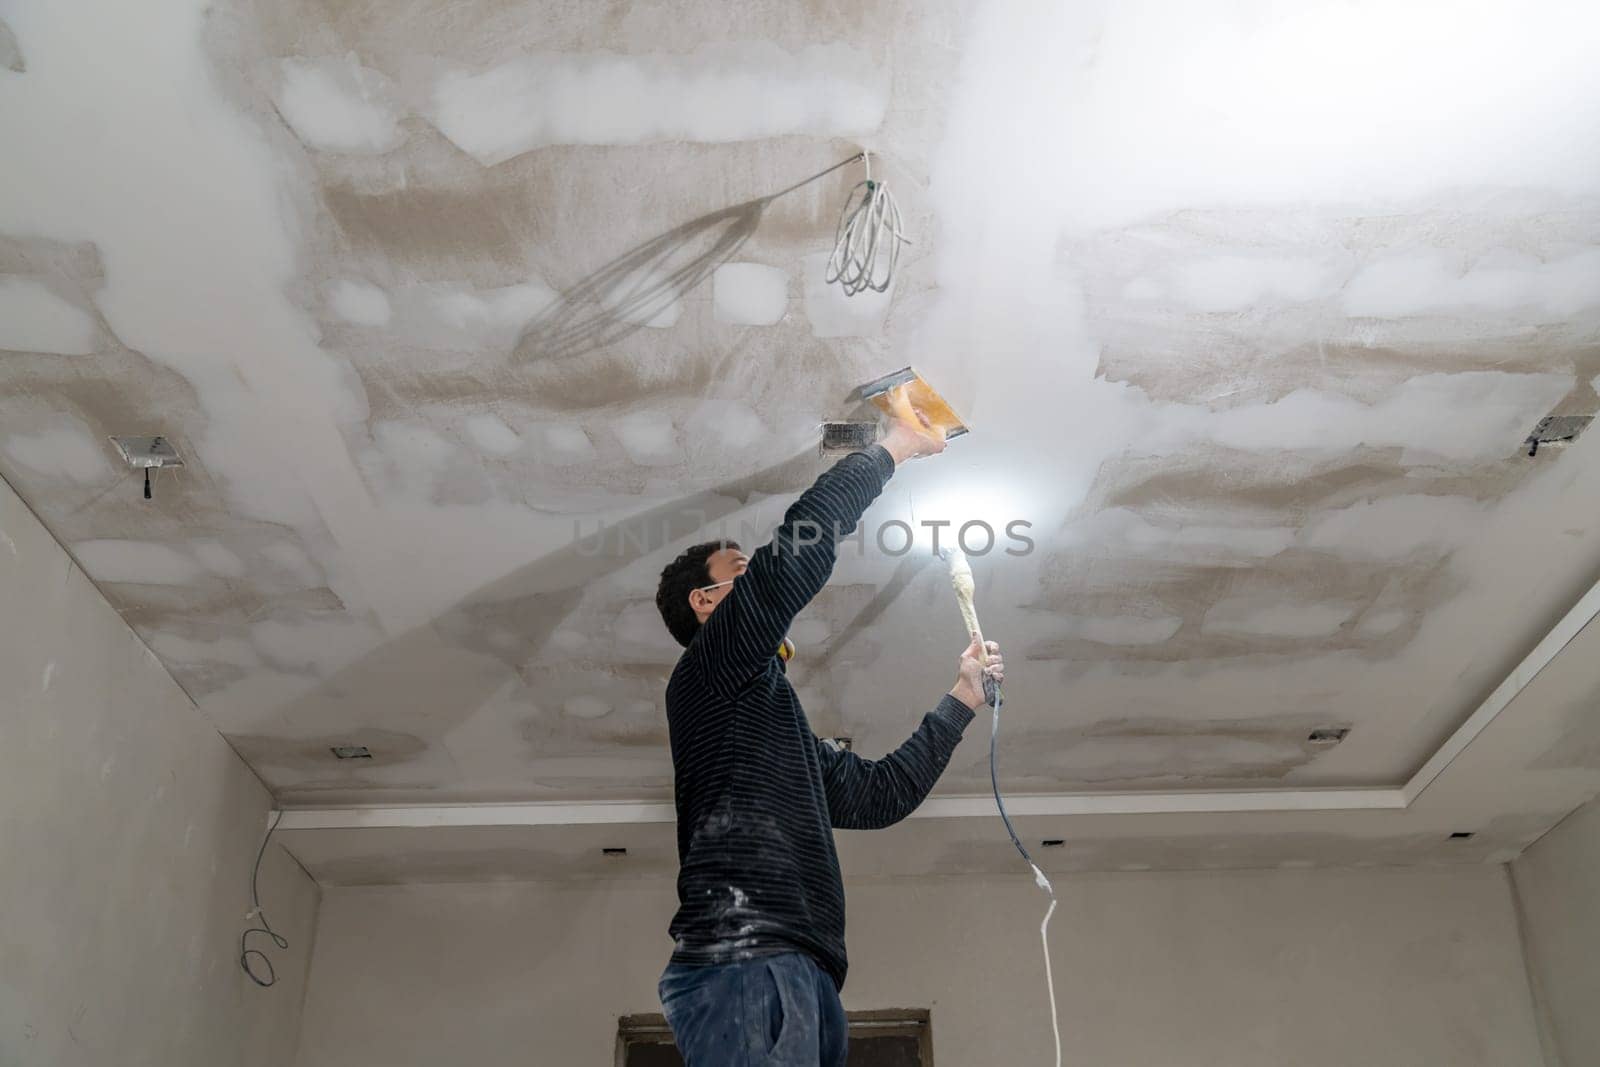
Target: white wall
<point>127,830</point>
<point>1558,882</point>
<point>1311,968</point>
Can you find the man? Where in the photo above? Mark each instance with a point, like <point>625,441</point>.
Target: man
<point>759,954</point>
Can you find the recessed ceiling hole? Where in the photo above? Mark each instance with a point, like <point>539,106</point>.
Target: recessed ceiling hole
<point>1556,430</point>
<point>147,452</point>
<point>613,852</point>
<point>840,438</point>
<point>351,752</point>
<point>1053,842</point>
<point>1463,835</point>
<point>1329,735</point>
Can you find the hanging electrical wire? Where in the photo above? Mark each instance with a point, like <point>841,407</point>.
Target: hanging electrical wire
<point>993,692</point>
<point>961,581</point>
<point>866,247</point>
<point>246,953</point>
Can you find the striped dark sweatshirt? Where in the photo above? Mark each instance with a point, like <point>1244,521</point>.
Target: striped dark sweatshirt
<point>758,794</point>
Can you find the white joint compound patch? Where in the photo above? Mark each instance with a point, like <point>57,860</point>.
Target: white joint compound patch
<point>145,562</point>
<point>489,317</point>
<point>1249,616</point>
<point>1378,623</point>
<point>1471,416</point>
<point>490,433</point>
<point>585,707</point>
<point>34,319</point>
<point>730,423</point>
<point>1423,283</point>
<point>360,303</point>
<point>337,105</point>
<point>1234,283</point>
<point>1395,527</point>
<point>66,451</point>
<point>568,444</point>
<point>1128,630</point>
<point>717,94</point>
<point>1186,540</point>
<point>749,294</point>
<point>292,560</point>
<point>317,646</point>
<point>417,451</point>
<point>649,438</point>
<point>217,559</point>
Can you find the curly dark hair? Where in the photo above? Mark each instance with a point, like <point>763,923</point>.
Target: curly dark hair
<point>681,577</point>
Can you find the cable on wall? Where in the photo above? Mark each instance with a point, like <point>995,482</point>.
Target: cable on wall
<point>246,953</point>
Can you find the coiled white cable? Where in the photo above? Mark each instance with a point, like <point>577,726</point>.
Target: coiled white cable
<point>866,247</point>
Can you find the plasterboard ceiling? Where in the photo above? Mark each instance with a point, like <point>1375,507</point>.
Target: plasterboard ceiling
<point>468,316</point>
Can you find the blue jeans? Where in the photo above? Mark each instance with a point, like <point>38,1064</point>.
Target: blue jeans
<point>776,1011</point>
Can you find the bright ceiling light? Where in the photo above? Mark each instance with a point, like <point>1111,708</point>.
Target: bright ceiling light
<point>977,515</point>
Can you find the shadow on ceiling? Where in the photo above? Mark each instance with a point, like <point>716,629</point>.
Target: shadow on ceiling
<point>632,290</point>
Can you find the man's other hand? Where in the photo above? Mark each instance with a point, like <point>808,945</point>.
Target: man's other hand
<point>969,683</point>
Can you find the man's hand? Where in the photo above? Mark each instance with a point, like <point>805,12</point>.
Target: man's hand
<point>910,434</point>
<point>969,683</point>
